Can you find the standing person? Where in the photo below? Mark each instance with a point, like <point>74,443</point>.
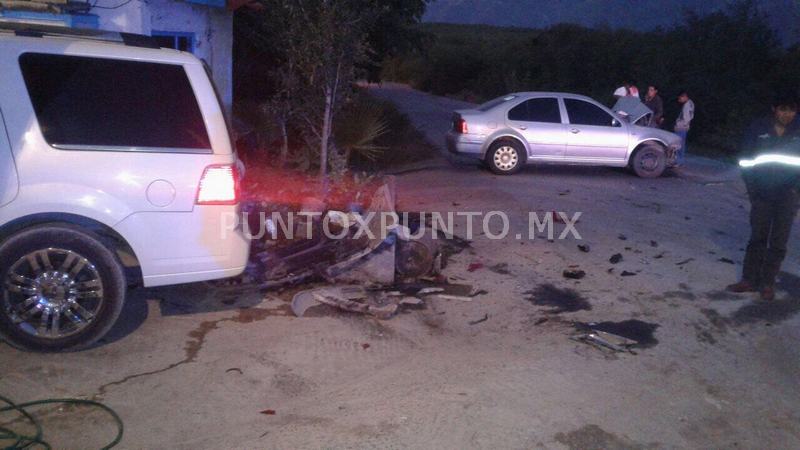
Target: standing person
<point>653,101</point>
<point>683,123</point>
<point>622,91</point>
<point>633,91</point>
<point>628,89</point>
<point>771,173</point>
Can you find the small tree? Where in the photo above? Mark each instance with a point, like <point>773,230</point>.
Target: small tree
<point>321,42</point>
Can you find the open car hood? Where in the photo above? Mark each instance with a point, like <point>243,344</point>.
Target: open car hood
<point>632,109</point>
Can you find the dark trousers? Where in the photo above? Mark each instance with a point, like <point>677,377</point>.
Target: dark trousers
<point>771,220</point>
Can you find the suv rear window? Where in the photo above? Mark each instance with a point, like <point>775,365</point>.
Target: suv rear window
<point>116,104</point>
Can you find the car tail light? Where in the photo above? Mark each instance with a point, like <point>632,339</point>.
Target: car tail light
<point>219,186</point>
<point>460,125</point>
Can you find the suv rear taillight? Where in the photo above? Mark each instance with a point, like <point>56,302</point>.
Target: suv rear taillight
<point>459,124</point>
<point>219,186</point>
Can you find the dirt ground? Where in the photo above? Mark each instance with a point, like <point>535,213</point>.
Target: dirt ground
<point>192,367</point>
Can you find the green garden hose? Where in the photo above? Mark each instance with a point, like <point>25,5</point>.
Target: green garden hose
<point>22,441</point>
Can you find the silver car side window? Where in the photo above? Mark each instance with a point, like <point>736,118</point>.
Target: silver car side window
<point>584,113</point>
<point>543,110</point>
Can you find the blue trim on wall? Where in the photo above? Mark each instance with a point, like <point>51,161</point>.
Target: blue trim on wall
<point>66,20</point>
<point>215,3</point>
<point>85,21</point>
<point>176,34</point>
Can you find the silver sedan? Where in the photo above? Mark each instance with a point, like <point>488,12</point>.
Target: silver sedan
<point>553,127</point>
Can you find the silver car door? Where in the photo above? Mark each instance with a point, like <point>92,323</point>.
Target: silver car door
<point>539,121</point>
<point>593,133</point>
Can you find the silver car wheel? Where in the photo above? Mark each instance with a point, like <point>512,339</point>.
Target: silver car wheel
<point>649,161</point>
<point>52,293</point>
<point>506,158</point>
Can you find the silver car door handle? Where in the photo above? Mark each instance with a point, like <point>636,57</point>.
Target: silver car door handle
<point>574,131</point>
<point>523,128</point>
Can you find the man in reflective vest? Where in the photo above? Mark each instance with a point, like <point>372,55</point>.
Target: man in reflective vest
<point>771,171</point>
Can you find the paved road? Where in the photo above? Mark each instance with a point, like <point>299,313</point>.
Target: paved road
<point>194,367</point>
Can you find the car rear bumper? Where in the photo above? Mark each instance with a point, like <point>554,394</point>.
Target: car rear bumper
<point>183,247</point>
<point>463,144</point>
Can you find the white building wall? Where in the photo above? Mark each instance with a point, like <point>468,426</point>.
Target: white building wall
<point>212,28</point>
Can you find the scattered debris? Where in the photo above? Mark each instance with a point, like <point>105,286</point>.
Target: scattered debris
<point>560,300</point>
<point>635,330</point>
<point>479,292</point>
<point>574,274</point>
<point>625,273</point>
<point>454,297</point>
<point>610,270</point>
<point>418,257</point>
<point>365,346</point>
<point>685,261</point>
<point>653,244</point>
<point>726,261</point>
<point>483,319</point>
<point>541,320</point>
<point>474,266</point>
<point>622,237</point>
<point>606,341</point>
<point>659,256</point>
<point>501,268</point>
<point>235,369</point>
<point>615,258</point>
<point>268,412</point>
<point>563,193</point>
<point>430,290</point>
<point>412,301</point>
<point>584,248</point>
<point>687,218</point>
<point>351,298</point>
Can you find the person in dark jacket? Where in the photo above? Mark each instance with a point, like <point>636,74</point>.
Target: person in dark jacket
<point>771,171</point>
<point>653,101</point>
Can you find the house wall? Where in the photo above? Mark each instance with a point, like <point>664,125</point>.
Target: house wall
<point>212,28</point>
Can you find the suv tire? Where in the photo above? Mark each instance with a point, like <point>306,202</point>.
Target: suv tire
<point>649,161</point>
<point>505,157</point>
<point>60,288</point>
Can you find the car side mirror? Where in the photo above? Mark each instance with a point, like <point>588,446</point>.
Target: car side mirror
<point>616,123</point>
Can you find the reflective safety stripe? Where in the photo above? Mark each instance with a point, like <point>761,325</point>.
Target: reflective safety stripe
<point>767,159</point>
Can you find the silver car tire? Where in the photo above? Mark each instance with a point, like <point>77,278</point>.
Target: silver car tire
<point>61,288</point>
<point>649,162</point>
<point>505,157</point>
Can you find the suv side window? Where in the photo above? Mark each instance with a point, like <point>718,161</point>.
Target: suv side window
<point>536,110</point>
<point>83,102</point>
<point>585,113</point>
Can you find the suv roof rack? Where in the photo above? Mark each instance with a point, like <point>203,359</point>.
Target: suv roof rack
<point>35,30</point>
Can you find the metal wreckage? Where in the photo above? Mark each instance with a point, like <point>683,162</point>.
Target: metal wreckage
<point>371,265</point>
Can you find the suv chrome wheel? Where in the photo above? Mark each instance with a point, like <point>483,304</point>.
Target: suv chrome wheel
<point>61,288</point>
<point>52,293</point>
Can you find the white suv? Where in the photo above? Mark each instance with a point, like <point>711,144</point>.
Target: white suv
<point>116,169</point>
